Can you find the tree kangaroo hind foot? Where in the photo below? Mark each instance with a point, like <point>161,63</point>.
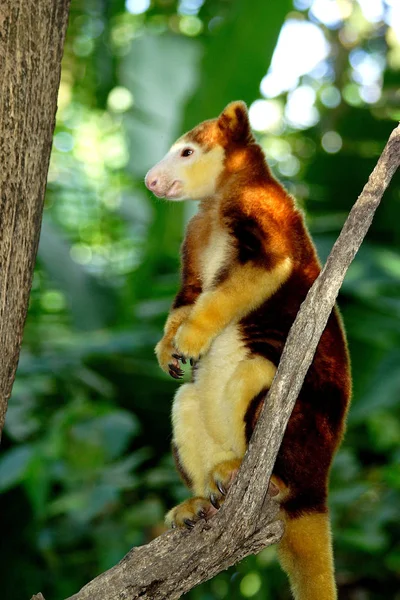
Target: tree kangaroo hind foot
<point>189,512</point>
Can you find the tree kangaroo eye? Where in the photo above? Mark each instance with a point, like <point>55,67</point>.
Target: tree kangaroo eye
<point>187,152</point>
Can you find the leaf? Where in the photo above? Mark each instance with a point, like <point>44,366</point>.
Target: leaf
<point>383,390</point>
<point>91,304</point>
<point>348,495</point>
<point>112,432</point>
<point>370,540</point>
<point>121,474</point>
<point>38,482</point>
<point>13,466</point>
<point>145,513</point>
<point>117,429</point>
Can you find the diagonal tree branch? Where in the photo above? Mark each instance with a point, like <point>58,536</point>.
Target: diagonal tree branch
<point>174,563</point>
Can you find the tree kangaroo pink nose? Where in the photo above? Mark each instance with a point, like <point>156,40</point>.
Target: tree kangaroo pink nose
<point>151,183</point>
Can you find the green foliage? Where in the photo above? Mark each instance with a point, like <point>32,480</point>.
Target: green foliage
<point>85,467</point>
<point>235,57</point>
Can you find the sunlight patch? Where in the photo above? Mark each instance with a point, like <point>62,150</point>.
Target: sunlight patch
<point>137,7</point>
<point>331,142</point>
<point>265,115</point>
<point>300,111</point>
<point>301,47</point>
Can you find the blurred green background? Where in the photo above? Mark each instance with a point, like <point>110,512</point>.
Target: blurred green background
<point>85,467</point>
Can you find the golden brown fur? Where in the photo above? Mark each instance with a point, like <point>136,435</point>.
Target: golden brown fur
<point>247,264</point>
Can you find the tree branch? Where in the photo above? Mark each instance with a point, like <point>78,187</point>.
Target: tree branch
<point>31,44</point>
<point>174,563</point>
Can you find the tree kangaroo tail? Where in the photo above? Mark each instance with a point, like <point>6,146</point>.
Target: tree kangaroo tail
<point>305,553</point>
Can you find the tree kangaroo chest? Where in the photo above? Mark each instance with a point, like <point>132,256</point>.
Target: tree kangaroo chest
<point>214,256</point>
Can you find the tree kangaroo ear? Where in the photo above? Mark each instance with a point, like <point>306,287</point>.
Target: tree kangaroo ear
<point>234,122</point>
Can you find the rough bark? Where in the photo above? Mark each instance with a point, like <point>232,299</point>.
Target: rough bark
<point>31,43</point>
<point>175,562</point>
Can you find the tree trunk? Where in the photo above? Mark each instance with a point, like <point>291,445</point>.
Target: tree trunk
<point>31,44</point>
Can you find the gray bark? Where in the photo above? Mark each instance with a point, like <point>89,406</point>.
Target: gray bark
<point>175,562</point>
<point>31,43</point>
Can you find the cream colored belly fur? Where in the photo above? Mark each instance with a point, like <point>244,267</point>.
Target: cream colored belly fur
<point>208,415</point>
<point>215,371</point>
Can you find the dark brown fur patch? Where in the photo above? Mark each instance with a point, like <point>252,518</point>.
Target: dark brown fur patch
<point>179,467</point>
<point>250,240</point>
<point>234,123</point>
<point>187,295</point>
<point>196,237</point>
<point>253,412</point>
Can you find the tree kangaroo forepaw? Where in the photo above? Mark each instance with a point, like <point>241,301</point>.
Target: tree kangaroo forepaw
<point>192,341</point>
